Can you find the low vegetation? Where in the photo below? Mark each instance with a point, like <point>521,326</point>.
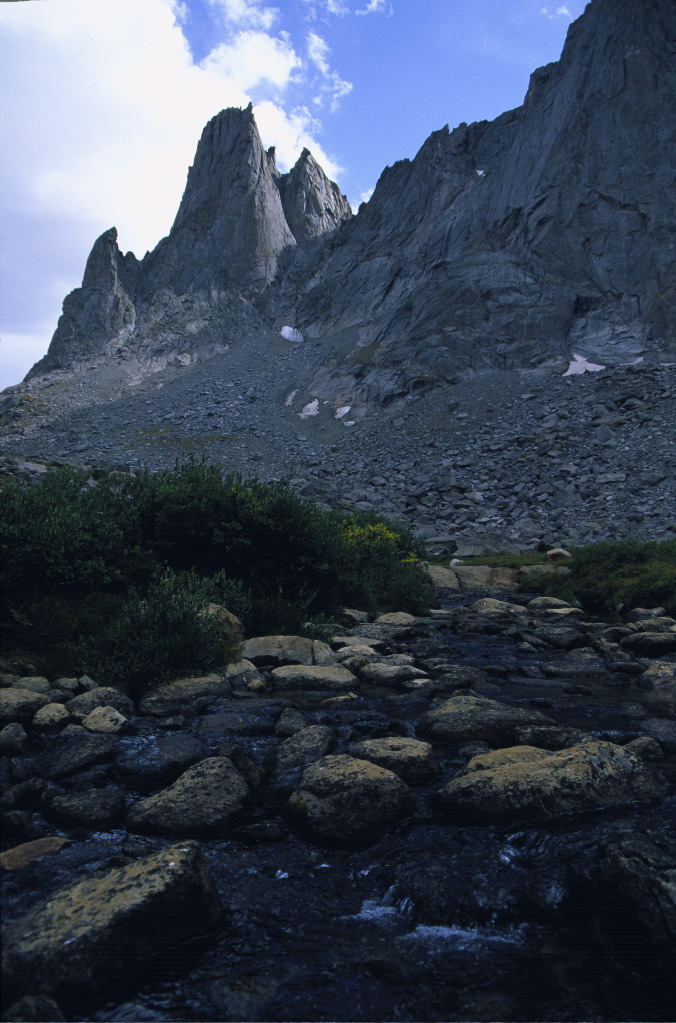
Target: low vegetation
<point>617,575</point>
<point>110,574</point>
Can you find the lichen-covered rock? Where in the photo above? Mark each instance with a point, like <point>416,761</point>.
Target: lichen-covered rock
<point>278,650</point>
<point>489,606</point>
<point>79,752</point>
<point>304,748</point>
<point>395,618</point>
<point>20,704</point>
<point>204,800</point>
<point>13,740</point>
<point>300,676</point>
<point>96,808</point>
<point>443,578</point>
<point>414,761</point>
<point>51,718</point>
<point>172,697</point>
<point>108,721</point>
<point>147,763</point>
<point>468,717</point>
<point>344,801</point>
<point>103,696</point>
<point>91,931</point>
<point>390,674</point>
<point>21,855</point>
<point>523,781</point>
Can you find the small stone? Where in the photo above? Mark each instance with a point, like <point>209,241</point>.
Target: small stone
<point>51,718</point>
<point>21,855</point>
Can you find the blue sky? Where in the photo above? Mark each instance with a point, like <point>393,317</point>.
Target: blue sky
<point>103,102</point>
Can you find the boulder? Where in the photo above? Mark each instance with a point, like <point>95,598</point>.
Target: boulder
<point>35,683</point>
<point>413,761</point>
<point>13,740</point>
<point>92,931</point>
<point>396,618</point>
<point>103,696</point>
<point>488,606</point>
<point>147,763</point>
<point>203,800</point>
<point>79,752</point>
<point>50,718</point>
<point>21,855</point>
<point>290,722</point>
<point>173,697</point>
<point>20,704</point>
<point>108,721</point>
<point>652,643</point>
<point>304,748</point>
<point>524,781</point>
<point>97,808</point>
<point>313,677</point>
<point>231,628</point>
<point>468,717</point>
<point>390,674</point>
<point>443,578</point>
<point>279,650</point>
<point>345,801</point>
<point>483,577</point>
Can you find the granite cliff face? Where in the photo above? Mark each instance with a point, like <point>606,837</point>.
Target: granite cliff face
<point>437,323</point>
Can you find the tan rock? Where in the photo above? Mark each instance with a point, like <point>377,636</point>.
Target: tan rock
<point>490,606</point>
<point>484,577</point>
<point>91,932</point>
<point>204,800</point>
<point>396,618</point>
<point>171,697</point>
<point>529,782</point>
<point>300,676</point>
<point>390,674</point>
<point>468,717</point>
<point>35,683</point>
<point>443,578</point>
<point>21,855</point>
<point>344,801</point>
<point>411,759</point>
<point>279,650</point>
<point>101,696</point>
<point>51,718</point>
<point>108,721</point>
<point>20,704</point>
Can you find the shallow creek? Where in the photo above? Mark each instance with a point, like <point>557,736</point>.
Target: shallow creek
<point>438,920</point>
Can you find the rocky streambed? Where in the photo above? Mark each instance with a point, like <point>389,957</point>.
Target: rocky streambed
<point>462,817</point>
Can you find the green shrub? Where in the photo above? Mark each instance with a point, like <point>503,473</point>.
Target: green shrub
<point>609,575</point>
<point>87,561</point>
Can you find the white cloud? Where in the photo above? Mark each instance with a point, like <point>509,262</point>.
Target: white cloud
<point>246,13</point>
<point>376,7</point>
<point>560,12</point>
<point>331,84</point>
<point>103,108</point>
<point>251,59</point>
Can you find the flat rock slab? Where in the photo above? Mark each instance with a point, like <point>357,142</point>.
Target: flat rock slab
<point>203,801</point>
<point>78,753</point>
<point>313,677</point>
<point>524,781</point>
<point>468,717</point>
<point>149,763</point>
<point>172,697</point>
<point>90,932</point>
<point>411,759</point>
<point>346,801</point>
<point>21,855</point>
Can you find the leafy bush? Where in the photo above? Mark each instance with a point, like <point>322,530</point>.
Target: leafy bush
<point>87,561</point>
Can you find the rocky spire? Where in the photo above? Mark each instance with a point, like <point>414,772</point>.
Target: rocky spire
<point>312,204</point>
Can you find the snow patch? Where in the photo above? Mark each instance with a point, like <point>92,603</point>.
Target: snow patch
<point>343,411</point>
<point>291,334</point>
<point>289,398</point>
<point>311,409</point>
<point>580,365</point>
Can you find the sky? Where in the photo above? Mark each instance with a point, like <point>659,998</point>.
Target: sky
<point>102,103</point>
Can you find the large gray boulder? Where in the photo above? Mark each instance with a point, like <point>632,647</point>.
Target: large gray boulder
<point>468,717</point>
<point>90,932</point>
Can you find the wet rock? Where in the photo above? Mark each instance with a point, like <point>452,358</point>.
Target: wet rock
<point>313,677</point>
<point>488,606</point>
<point>645,746</point>
<point>344,801</point>
<point>544,604</point>
<point>99,808</point>
<point>151,763</point>
<point>663,731</point>
<point>644,869</point>
<point>304,748</point>
<point>13,740</point>
<point>92,931</point>
<point>108,721</point>
<point>412,760</point>
<point>651,644</point>
<point>550,737</point>
<point>459,676</point>
<point>80,752</point>
<point>203,800</point>
<point>390,674</point>
<point>20,704</point>
<point>103,696</point>
<point>174,697</point>
<point>289,722</point>
<point>35,1009</point>
<point>560,637</point>
<point>245,720</point>
<point>530,782</point>
<point>21,855</point>
<point>396,618</point>
<point>51,718</point>
<point>468,717</point>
